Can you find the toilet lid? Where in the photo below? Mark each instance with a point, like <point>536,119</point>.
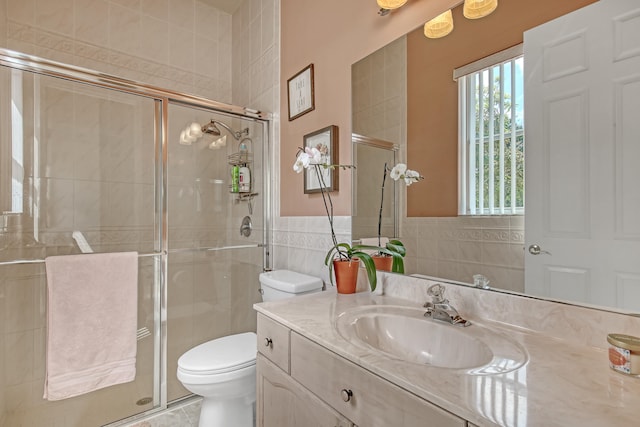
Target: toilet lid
<point>221,355</point>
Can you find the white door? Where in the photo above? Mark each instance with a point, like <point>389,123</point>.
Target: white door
<point>582,119</point>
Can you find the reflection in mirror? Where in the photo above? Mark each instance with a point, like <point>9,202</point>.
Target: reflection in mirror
<point>372,156</point>
<point>421,117</point>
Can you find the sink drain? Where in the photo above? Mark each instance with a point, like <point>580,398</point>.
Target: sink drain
<point>144,401</point>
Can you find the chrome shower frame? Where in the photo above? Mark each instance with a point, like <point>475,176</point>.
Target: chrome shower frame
<point>163,98</point>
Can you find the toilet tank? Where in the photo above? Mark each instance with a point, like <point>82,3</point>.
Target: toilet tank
<point>281,284</point>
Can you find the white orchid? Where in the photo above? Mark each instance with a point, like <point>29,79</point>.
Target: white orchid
<point>411,176</point>
<point>400,171</point>
<point>310,156</point>
<point>302,162</point>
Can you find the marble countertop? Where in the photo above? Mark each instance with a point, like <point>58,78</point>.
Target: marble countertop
<point>563,383</point>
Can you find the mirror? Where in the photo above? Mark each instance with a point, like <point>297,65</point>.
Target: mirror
<point>373,204</point>
<point>439,242</point>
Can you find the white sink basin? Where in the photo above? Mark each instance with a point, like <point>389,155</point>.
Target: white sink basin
<point>403,333</point>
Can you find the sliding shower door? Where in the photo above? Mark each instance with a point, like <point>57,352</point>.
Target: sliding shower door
<point>93,163</point>
<point>75,160</point>
<point>213,262</point>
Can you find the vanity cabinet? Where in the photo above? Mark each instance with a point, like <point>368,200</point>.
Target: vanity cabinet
<point>316,387</point>
<point>282,402</point>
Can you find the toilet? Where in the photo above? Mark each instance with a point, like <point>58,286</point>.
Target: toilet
<point>223,371</point>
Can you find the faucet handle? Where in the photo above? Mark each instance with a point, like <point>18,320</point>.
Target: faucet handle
<point>437,293</point>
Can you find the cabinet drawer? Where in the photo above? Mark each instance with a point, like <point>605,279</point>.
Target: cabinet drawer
<point>273,341</point>
<point>373,402</point>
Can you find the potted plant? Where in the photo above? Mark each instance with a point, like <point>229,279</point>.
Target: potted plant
<point>344,260</point>
<point>341,256</point>
<point>391,257</point>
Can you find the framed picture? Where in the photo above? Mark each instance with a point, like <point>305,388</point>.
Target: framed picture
<point>300,93</point>
<point>326,141</point>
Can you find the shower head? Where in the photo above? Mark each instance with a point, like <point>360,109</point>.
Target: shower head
<point>212,129</point>
<point>194,131</point>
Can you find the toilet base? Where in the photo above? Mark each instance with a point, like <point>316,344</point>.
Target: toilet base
<point>237,412</point>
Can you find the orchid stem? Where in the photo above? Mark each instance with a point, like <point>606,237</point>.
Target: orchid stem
<point>384,178</point>
<point>328,208</point>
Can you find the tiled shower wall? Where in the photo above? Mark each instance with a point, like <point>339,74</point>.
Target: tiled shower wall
<point>183,45</point>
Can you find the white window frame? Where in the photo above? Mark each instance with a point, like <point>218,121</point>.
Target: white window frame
<point>467,201</point>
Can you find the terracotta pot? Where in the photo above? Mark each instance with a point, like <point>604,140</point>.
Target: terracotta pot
<point>383,262</point>
<point>346,273</point>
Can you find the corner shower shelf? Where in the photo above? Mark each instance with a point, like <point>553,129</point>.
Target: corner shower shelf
<point>242,158</point>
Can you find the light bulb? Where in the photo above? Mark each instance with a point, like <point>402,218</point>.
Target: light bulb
<point>475,9</point>
<point>194,130</point>
<point>439,26</point>
<point>391,4</point>
<point>185,139</point>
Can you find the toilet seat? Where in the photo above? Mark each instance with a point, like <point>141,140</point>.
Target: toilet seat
<point>219,356</point>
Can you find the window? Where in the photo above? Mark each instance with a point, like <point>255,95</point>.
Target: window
<point>491,135</point>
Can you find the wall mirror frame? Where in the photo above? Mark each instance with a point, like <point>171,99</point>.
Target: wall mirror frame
<point>437,238</point>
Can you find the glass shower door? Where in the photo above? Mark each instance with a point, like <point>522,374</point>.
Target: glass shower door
<point>75,160</point>
<point>213,262</point>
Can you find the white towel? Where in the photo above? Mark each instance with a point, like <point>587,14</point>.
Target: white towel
<point>91,322</point>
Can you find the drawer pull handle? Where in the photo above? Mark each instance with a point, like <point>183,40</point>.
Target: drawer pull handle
<point>268,342</point>
<point>346,394</point>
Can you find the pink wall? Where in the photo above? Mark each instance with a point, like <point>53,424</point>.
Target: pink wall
<point>332,34</point>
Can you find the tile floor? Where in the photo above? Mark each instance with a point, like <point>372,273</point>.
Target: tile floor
<point>184,415</point>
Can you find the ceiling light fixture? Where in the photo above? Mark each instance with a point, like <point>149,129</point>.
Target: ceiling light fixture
<point>439,26</point>
<point>391,4</point>
<point>474,9</point>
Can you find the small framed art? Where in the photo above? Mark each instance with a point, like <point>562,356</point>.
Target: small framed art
<point>326,141</point>
<point>300,93</point>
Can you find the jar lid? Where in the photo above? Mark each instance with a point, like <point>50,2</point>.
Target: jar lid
<point>628,342</point>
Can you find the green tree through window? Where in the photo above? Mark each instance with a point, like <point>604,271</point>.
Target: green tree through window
<point>493,140</point>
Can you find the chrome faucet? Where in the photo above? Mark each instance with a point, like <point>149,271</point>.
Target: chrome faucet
<point>440,309</point>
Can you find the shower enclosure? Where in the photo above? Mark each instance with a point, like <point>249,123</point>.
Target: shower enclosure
<point>90,162</point>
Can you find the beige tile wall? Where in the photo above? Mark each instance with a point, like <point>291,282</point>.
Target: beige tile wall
<point>301,243</point>
<point>379,94</point>
<point>458,248</point>
<point>183,45</point>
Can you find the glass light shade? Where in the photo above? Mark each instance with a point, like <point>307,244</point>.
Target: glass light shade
<point>439,26</point>
<point>391,4</point>
<point>474,9</point>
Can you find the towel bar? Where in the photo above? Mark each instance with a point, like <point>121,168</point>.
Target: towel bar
<point>222,248</point>
<point>39,261</point>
